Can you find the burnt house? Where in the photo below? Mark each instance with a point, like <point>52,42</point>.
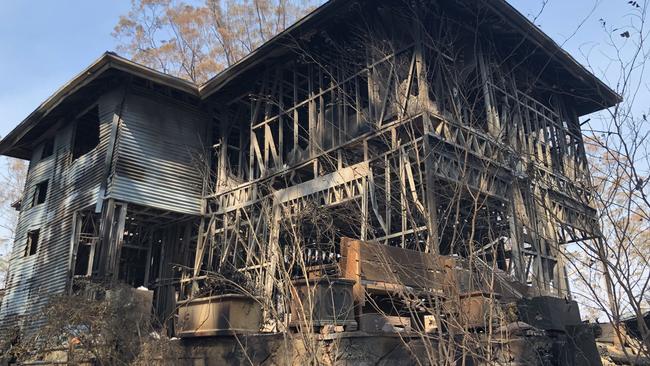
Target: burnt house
<point>440,127</point>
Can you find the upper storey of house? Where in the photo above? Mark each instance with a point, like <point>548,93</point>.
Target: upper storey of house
<point>475,37</point>
<point>106,74</point>
<point>485,75</point>
<point>116,131</point>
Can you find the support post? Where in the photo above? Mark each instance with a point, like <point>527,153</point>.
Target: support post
<point>433,241</point>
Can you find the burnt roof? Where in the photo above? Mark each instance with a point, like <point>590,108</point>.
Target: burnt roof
<point>592,93</point>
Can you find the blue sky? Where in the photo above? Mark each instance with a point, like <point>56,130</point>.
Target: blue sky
<point>45,43</point>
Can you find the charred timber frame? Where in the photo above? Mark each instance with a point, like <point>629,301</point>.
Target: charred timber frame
<point>390,141</point>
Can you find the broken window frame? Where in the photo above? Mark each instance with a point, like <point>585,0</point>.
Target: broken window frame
<point>90,143</point>
<point>40,193</point>
<point>32,243</point>
<point>48,148</point>
<point>89,261</point>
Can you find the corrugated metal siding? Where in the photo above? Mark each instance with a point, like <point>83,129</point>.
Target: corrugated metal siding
<point>156,154</point>
<point>73,185</point>
<point>154,165</point>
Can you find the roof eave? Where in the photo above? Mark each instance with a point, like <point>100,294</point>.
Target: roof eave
<point>525,26</point>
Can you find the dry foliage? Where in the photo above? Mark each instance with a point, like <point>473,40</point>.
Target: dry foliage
<point>613,272</point>
<point>106,325</point>
<point>195,41</point>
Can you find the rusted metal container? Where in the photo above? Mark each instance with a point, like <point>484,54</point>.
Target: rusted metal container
<point>219,315</point>
<point>323,301</point>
